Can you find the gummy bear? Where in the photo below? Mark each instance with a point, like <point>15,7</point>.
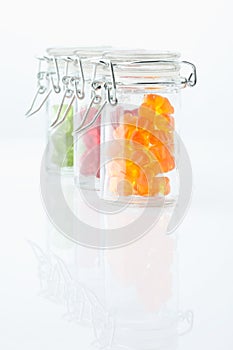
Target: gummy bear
<point>121,187</point>
<point>164,157</point>
<point>124,131</point>
<point>141,137</point>
<point>159,104</point>
<point>90,159</point>
<point>90,163</point>
<point>92,137</point>
<point>140,157</point>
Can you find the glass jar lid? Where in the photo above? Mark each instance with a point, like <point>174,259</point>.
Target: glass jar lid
<point>155,69</point>
<point>138,70</point>
<point>68,70</point>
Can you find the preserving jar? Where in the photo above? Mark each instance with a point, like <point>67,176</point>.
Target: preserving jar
<point>88,121</point>
<point>87,144</point>
<point>140,106</point>
<point>60,87</point>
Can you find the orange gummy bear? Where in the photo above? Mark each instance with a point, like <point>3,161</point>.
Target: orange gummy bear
<point>130,119</point>
<point>164,157</point>
<point>124,168</point>
<point>140,157</point>
<point>123,131</point>
<point>141,137</point>
<point>160,185</point>
<point>150,120</point>
<point>159,104</point>
<point>153,186</point>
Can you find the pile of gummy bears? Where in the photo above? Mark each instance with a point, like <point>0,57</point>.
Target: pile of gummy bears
<point>142,150</point>
<point>89,161</point>
<point>61,140</point>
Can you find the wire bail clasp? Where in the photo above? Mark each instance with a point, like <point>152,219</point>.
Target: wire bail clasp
<point>95,100</point>
<point>68,94</point>
<point>111,90</point>
<point>42,87</point>
<point>79,82</point>
<point>192,79</point>
<point>110,87</point>
<point>55,82</point>
<point>74,88</point>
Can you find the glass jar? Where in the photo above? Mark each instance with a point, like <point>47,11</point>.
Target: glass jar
<point>61,107</point>
<point>61,82</point>
<point>139,144</point>
<point>77,73</point>
<point>88,121</point>
<point>87,144</point>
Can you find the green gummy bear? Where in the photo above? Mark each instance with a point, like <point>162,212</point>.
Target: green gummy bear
<point>62,139</point>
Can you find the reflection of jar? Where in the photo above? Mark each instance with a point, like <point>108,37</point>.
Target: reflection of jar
<point>141,290</point>
<point>139,151</point>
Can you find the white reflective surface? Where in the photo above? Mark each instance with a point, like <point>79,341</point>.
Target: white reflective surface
<point>163,292</point>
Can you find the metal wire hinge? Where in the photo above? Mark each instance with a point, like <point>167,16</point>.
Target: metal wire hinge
<point>73,86</point>
<point>42,88</point>
<point>95,101</point>
<point>111,98</point>
<point>192,79</point>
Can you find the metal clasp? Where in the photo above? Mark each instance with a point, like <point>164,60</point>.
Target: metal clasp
<point>68,94</point>
<point>74,88</point>
<point>192,79</point>
<point>42,87</point>
<point>111,98</point>
<point>55,84</point>
<point>79,83</point>
<point>110,87</point>
<point>111,91</point>
<point>95,100</point>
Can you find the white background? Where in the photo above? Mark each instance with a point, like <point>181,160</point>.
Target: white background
<point>202,32</point>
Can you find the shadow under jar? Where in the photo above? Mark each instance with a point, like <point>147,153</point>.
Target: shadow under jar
<point>139,144</point>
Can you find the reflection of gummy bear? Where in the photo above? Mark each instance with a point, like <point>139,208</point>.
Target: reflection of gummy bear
<point>145,141</point>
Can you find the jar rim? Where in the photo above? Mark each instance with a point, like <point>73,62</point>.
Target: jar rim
<point>82,52</point>
<point>146,70</point>
<point>129,56</point>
